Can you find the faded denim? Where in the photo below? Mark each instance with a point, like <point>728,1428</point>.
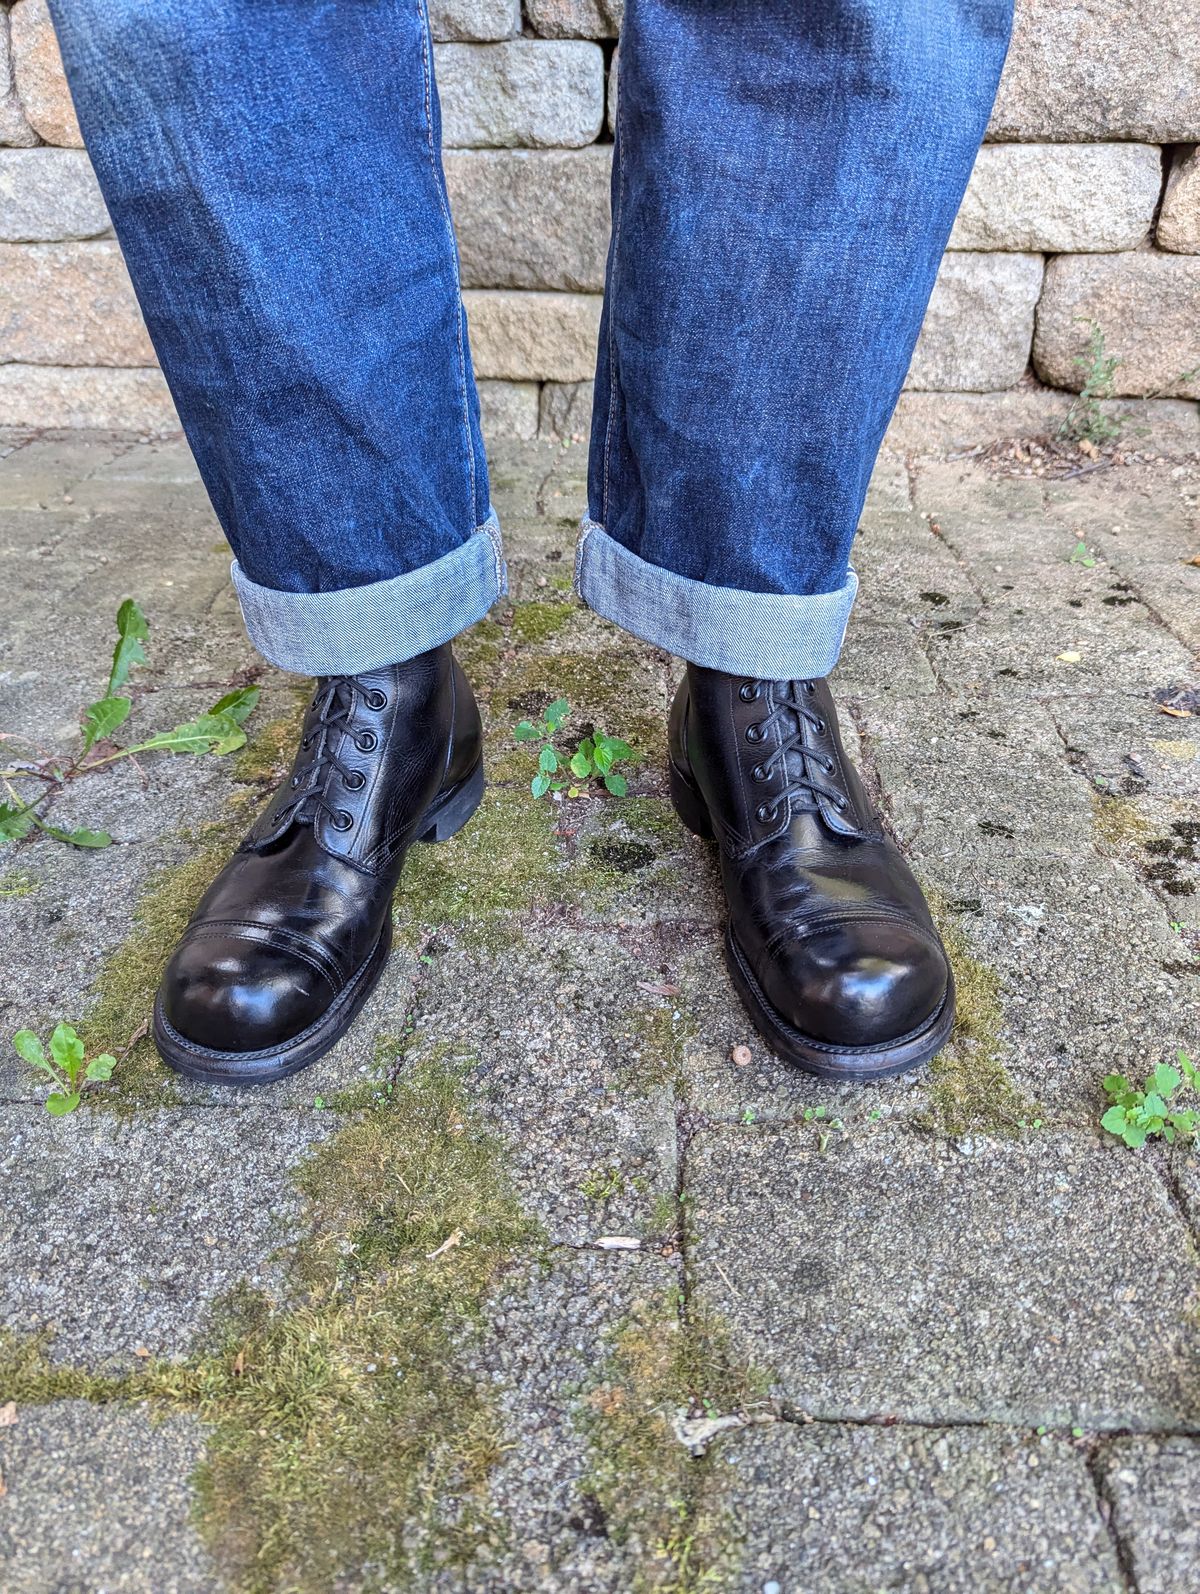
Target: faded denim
<point>787,174</point>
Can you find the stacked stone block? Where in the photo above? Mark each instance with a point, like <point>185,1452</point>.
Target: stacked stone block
<point>1083,210</point>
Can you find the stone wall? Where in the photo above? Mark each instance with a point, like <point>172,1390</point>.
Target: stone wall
<point>1084,208</point>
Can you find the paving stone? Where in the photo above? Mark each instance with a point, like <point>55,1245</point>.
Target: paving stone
<point>1148,307</point>
<point>180,1207</point>
<point>69,304</point>
<point>49,194</point>
<point>475,19</point>
<point>842,1509</point>
<point>530,91</point>
<point>98,1497</point>
<point>979,324</point>
<point>896,1277</point>
<point>530,337</point>
<point>1092,71</point>
<point>553,1018</point>
<point>100,397</point>
<point>576,19</point>
<point>508,410</point>
<point>531,218</point>
<point>1152,1485</point>
<point>1060,197</point>
<point>550,1336</point>
<point>14,129</point>
<point>1179,220</point>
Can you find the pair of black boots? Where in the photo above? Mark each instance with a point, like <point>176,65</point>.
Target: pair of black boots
<point>829,940</point>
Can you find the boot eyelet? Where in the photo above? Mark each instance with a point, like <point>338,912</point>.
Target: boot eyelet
<point>355,780</point>
<point>754,733</point>
<point>758,772</point>
<point>829,766</point>
<point>376,698</point>
<point>749,691</point>
<point>342,820</point>
<point>809,688</point>
<point>821,727</point>
<point>764,814</point>
<point>841,805</point>
<point>295,781</point>
<point>367,742</point>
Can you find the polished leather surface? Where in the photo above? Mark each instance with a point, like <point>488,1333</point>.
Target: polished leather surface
<point>297,911</point>
<point>823,908</point>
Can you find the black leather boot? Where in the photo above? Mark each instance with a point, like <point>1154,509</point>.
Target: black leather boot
<point>829,940</point>
<point>294,932</point>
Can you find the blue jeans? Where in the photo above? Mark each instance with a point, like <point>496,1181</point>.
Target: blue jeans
<point>786,175</point>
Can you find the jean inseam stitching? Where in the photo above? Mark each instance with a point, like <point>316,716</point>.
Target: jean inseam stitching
<point>427,68</point>
<point>611,297</point>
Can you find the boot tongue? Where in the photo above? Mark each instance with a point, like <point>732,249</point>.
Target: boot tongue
<point>823,797</point>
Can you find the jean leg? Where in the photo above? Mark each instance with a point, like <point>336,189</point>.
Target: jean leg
<point>786,177</point>
<point>273,171</point>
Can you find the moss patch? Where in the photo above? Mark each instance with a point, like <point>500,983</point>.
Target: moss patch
<point>15,884</point>
<point>654,1494</point>
<point>1119,823</point>
<point>350,1445</point>
<point>268,754</point>
<point>125,988</point>
<point>506,861</point>
<point>542,619</point>
<point>652,1043</point>
<point>971,1090</point>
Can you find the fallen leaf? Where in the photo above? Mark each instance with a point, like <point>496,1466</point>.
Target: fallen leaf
<point>239,1364</point>
<point>741,1056</point>
<point>618,1242</point>
<point>1175,713</point>
<point>1068,658</point>
<point>654,989</point>
<point>8,1414</point>
<point>140,1350</point>
<point>448,1244</point>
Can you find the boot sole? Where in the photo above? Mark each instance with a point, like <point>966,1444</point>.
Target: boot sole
<point>446,817</point>
<point>853,1064</point>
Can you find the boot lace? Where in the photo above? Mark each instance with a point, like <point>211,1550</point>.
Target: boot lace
<point>789,707</point>
<point>332,711</point>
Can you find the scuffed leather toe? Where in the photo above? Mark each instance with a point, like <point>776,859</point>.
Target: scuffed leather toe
<point>863,983</point>
<point>235,994</point>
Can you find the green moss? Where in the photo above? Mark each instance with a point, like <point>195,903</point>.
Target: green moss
<point>479,649</point>
<point>657,1498</point>
<point>506,861</point>
<point>16,883</point>
<point>652,1045</point>
<point>351,1443</point>
<point>541,619</point>
<point>609,688</point>
<point>971,1090</point>
<point>1119,824</point>
<point>268,754</point>
<point>125,988</point>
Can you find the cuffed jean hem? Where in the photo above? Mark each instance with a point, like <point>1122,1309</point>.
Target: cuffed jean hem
<point>766,636</point>
<point>384,622</point>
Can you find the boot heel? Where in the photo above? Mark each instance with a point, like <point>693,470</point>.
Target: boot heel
<point>689,804</point>
<point>452,810</point>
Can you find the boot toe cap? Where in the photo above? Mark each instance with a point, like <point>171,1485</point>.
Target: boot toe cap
<point>230,994</point>
<point>858,985</point>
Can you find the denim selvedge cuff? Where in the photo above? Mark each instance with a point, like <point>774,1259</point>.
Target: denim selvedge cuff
<point>384,622</point>
<point>767,636</point>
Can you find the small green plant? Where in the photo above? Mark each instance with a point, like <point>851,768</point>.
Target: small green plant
<point>218,731</point>
<point>1137,1115</point>
<point>603,1183</point>
<point>1085,421</point>
<point>1081,556</point>
<point>68,1070</point>
<point>595,758</point>
<point>825,1126</point>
